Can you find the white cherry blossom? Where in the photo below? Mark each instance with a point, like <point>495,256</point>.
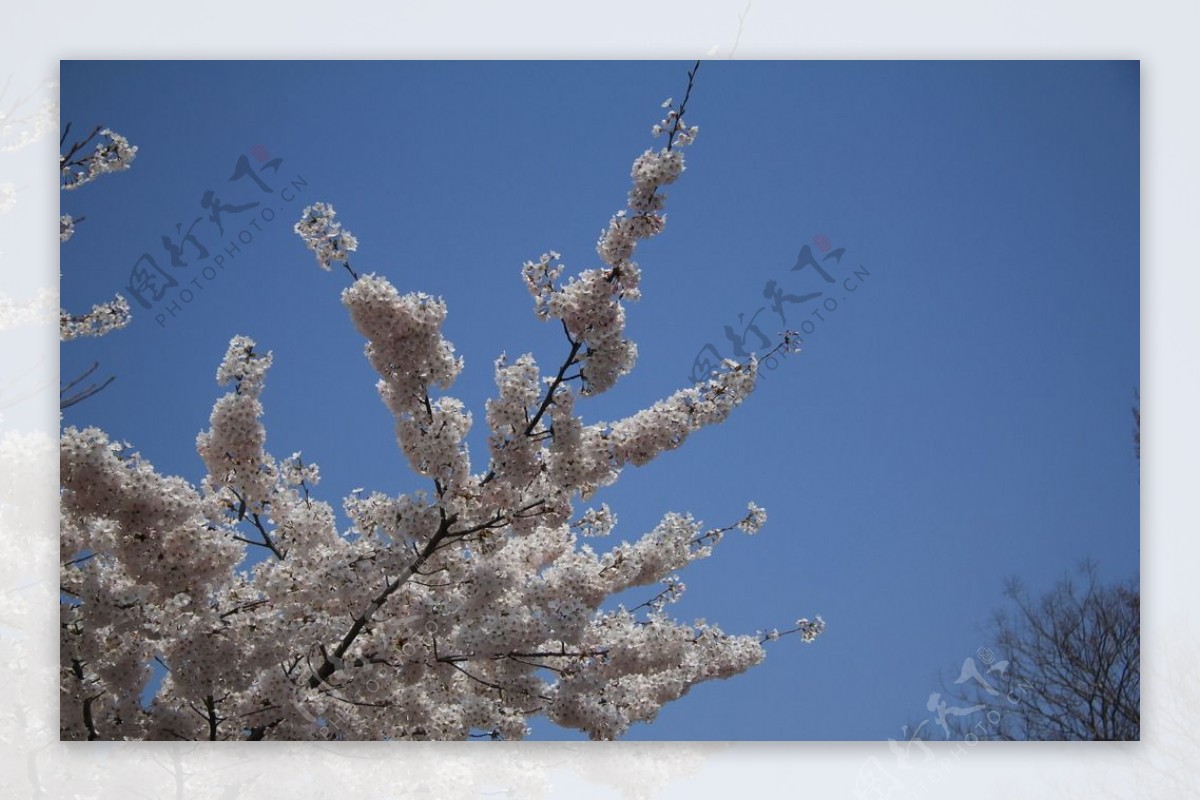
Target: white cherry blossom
<point>463,608</point>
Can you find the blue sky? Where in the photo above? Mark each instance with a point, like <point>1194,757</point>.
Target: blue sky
<point>962,416</point>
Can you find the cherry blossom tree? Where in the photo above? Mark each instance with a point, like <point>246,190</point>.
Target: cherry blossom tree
<point>464,609</point>
<point>102,152</point>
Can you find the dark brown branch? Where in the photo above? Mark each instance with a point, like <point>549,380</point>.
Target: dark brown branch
<point>66,161</point>
<point>243,608</point>
<point>484,682</point>
<point>330,666</point>
<point>213,721</point>
<point>65,402</point>
<point>683,106</point>
<point>88,720</point>
<point>256,521</point>
<point>79,560</point>
<point>554,385</point>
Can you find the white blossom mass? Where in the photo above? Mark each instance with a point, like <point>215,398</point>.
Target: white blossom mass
<point>463,610</point>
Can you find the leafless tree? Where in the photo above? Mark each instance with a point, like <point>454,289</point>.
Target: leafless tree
<point>1066,666</point>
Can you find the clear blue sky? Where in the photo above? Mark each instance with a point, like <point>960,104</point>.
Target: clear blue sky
<point>962,416</point>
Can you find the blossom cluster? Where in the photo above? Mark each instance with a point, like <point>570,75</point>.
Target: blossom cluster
<point>324,235</point>
<point>755,519</point>
<point>104,318</point>
<point>810,629</point>
<point>232,449</point>
<point>589,304</point>
<point>113,153</point>
<point>674,125</point>
<point>462,610</point>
